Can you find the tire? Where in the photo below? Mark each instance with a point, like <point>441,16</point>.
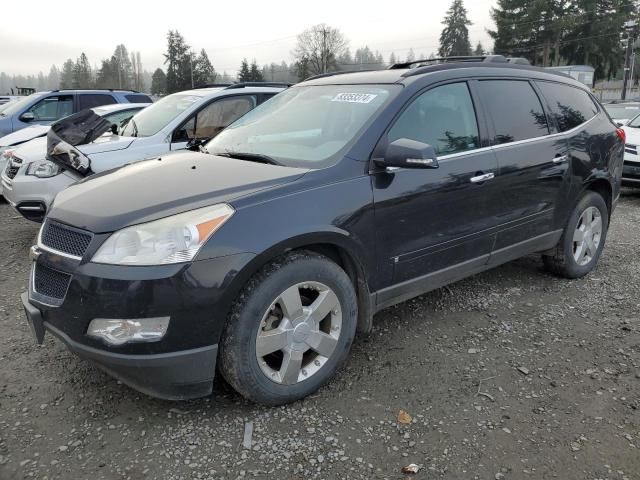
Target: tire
<point>261,317</point>
<point>569,261</point>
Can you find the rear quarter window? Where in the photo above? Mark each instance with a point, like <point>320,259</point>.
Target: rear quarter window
<point>570,106</point>
<point>138,98</point>
<point>514,109</point>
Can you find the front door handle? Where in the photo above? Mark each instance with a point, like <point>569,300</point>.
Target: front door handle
<point>561,159</point>
<point>483,178</point>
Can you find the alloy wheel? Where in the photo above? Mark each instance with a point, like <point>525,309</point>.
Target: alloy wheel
<point>299,333</point>
<point>587,236</point>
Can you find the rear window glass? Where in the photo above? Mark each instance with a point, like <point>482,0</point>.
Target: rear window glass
<point>515,110</point>
<point>95,100</point>
<point>570,106</point>
<point>138,98</point>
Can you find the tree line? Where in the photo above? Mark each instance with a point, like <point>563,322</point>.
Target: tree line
<point>546,32</point>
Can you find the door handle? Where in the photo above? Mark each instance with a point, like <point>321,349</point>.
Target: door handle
<point>483,178</point>
<point>561,159</point>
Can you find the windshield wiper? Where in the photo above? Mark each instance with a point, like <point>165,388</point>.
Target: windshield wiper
<point>251,157</point>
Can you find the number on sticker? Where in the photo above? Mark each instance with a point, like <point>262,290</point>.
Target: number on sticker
<point>354,97</point>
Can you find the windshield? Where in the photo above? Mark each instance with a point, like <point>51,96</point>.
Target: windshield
<point>304,126</point>
<point>622,111</point>
<point>157,116</point>
<point>17,106</point>
<point>635,123</point>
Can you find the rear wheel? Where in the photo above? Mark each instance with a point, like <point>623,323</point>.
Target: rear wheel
<point>290,330</point>
<point>583,239</point>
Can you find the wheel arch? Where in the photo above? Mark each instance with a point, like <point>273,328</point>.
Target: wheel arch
<point>336,247</point>
<point>602,186</point>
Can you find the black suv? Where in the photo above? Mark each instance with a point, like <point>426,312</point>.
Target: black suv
<point>265,252</point>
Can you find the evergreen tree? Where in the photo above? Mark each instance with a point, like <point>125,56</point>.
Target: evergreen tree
<point>392,59</point>
<point>479,51</point>
<point>178,60</point>
<point>53,79</point>
<point>411,56</point>
<point>244,75</point>
<point>82,75</point>
<point>302,69</point>
<point>158,82</point>
<point>66,77</point>
<point>124,70</point>
<point>454,39</point>
<point>203,71</point>
<point>255,74</point>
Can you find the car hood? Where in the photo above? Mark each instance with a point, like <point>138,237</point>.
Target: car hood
<point>24,135</point>
<point>633,135</point>
<point>106,143</point>
<point>152,189</point>
<point>32,151</point>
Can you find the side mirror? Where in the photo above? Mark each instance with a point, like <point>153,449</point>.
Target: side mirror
<point>406,153</point>
<point>195,143</point>
<point>114,129</point>
<point>619,124</point>
<point>27,117</point>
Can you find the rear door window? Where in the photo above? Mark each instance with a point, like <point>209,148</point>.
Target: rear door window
<point>52,108</point>
<point>570,106</point>
<point>514,109</point>
<point>90,100</point>
<point>215,117</point>
<point>443,117</point>
<point>138,98</point>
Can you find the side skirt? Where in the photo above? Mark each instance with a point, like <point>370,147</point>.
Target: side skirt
<point>418,286</point>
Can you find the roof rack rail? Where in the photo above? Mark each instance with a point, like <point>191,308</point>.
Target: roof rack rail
<point>212,85</point>
<point>258,84</point>
<point>96,89</point>
<point>331,74</point>
<point>430,61</point>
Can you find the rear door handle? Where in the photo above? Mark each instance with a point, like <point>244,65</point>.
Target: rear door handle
<point>561,159</point>
<point>483,178</point>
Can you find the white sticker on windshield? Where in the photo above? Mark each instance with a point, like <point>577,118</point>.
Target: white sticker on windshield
<point>354,97</point>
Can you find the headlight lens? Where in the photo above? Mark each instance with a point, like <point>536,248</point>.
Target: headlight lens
<point>174,239</point>
<point>45,169</point>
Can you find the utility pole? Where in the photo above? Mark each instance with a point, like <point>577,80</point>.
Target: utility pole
<point>631,28</point>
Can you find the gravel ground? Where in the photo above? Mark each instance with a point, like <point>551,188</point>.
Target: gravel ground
<point>509,374</point>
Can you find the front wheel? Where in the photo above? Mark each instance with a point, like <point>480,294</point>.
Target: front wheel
<point>583,239</point>
<point>290,330</point>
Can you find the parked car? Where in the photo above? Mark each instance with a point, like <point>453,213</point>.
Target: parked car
<point>18,178</point>
<point>4,99</point>
<point>622,112</point>
<point>168,125</point>
<point>631,170</point>
<point>116,113</point>
<point>264,253</point>
<point>44,108</point>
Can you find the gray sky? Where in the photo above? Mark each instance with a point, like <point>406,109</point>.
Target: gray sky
<point>228,30</point>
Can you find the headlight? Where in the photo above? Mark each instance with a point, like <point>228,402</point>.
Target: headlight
<point>45,169</point>
<point>174,239</point>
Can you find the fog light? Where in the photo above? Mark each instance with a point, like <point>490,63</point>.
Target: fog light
<point>121,331</point>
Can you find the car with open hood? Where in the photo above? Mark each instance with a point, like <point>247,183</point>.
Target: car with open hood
<point>173,123</point>
<point>264,253</point>
<point>28,181</point>
<point>622,111</point>
<point>117,113</point>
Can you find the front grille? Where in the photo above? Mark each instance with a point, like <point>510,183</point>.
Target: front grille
<point>631,149</point>
<point>65,239</point>
<point>50,283</point>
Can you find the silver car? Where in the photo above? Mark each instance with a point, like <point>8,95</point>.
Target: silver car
<point>19,180</point>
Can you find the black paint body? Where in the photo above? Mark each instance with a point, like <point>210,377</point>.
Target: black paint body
<point>399,233</point>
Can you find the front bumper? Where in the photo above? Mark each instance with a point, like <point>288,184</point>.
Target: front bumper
<point>170,376</point>
<point>196,297</point>
<point>631,171</point>
<point>32,196</point>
